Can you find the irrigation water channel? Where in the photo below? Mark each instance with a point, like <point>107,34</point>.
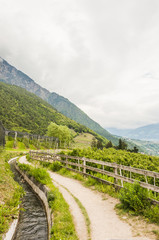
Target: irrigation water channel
<point>32,220</point>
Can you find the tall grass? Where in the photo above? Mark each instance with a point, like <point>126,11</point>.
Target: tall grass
<point>10,193</point>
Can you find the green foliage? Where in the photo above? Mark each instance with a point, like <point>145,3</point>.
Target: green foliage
<point>50,197</point>
<point>40,174</point>
<point>109,145</point>
<point>134,197</point>
<point>25,112</point>
<point>152,213</point>
<point>56,166</point>
<point>10,193</point>
<point>136,160</point>
<point>26,142</point>
<point>94,143</point>
<point>122,145</point>
<point>126,158</point>
<point>63,133</point>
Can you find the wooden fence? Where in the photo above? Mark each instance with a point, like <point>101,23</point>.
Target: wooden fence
<point>118,173</point>
<point>2,135</point>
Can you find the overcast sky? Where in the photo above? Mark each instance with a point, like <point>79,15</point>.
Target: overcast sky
<point>103,55</point>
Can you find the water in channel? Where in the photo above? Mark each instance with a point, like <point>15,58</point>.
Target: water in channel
<point>32,220</point>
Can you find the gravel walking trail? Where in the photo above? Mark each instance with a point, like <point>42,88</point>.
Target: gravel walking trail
<point>105,224</point>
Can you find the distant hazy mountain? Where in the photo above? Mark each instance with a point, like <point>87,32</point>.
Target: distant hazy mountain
<point>149,132</point>
<point>10,75</point>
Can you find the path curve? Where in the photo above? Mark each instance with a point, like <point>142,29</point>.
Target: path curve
<point>105,224</point>
<point>78,217</point>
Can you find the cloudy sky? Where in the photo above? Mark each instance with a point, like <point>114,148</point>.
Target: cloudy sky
<point>103,55</point>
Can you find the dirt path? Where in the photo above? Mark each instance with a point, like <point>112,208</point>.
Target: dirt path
<point>78,217</point>
<point>105,224</point>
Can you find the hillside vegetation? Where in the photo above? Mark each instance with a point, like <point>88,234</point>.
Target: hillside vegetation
<point>136,160</point>
<point>10,75</point>
<point>23,111</point>
<point>122,157</point>
<point>82,140</point>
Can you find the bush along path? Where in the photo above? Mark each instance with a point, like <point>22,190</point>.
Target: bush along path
<point>104,222</point>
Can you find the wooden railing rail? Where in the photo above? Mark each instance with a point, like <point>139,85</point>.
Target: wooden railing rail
<point>106,168</point>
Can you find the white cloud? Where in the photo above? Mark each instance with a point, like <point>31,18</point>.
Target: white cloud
<point>102,55</point>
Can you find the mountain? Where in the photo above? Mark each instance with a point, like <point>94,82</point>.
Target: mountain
<point>148,132</point>
<point>23,111</point>
<point>119,132</point>
<point>10,75</point>
<point>145,138</point>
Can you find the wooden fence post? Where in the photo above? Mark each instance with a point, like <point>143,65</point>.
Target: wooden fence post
<point>116,172</point>
<point>66,162</point>
<point>78,163</point>
<point>84,165</point>
<point>121,180</point>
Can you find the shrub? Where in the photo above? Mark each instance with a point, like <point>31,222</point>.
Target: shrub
<point>134,197</point>
<point>50,198</point>
<point>56,166</point>
<point>152,213</point>
<point>40,174</point>
<point>26,142</point>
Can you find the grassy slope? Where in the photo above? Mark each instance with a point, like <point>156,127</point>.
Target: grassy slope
<point>83,140</point>
<point>25,112</point>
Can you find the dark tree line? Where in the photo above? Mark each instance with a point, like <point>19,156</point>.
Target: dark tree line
<point>122,145</point>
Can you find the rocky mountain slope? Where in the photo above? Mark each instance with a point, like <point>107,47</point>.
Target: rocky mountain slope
<point>10,75</point>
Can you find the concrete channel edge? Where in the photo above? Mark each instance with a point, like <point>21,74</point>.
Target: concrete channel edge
<point>41,191</point>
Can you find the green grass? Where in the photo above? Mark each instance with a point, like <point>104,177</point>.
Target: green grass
<point>24,146</point>
<point>10,192</point>
<point>84,212</point>
<point>63,226</point>
<point>83,140</point>
<point>156,232</point>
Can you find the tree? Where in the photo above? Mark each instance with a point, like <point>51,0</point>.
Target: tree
<point>136,150</point>
<point>99,144</point>
<point>122,144</point>
<point>63,133</point>
<point>94,143</point>
<point>109,145</point>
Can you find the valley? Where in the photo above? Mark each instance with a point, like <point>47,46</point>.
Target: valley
<point>40,120</point>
